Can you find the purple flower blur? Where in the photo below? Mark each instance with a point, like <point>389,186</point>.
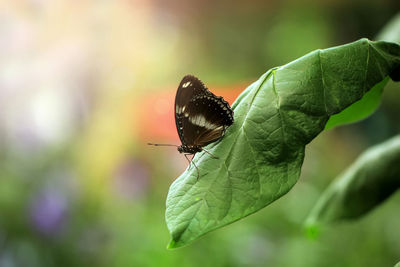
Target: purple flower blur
<point>131,179</point>
<point>48,211</point>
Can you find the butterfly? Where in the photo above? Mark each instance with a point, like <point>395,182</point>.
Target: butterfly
<point>201,117</point>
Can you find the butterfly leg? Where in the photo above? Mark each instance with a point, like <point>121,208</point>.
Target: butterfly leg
<point>215,157</point>
<point>191,162</point>
<point>188,159</point>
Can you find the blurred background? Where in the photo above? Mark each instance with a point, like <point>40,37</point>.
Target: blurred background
<point>84,85</point>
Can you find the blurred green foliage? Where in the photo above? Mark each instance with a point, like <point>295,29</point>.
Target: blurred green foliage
<point>365,184</point>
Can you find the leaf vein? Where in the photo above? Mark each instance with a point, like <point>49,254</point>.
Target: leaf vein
<point>278,107</point>
<point>322,80</point>
<point>366,71</point>
<point>255,162</point>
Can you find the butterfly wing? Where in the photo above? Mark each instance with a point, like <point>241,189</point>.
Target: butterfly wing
<point>189,88</point>
<point>201,117</point>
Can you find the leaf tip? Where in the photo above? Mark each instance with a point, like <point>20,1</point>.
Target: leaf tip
<point>312,231</point>
<point>171,244</point>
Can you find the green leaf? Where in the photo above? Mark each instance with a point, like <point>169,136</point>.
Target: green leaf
<point>365,184</point>
<point>371,100</point>
<point>360,109</point>
<point>261,155</point>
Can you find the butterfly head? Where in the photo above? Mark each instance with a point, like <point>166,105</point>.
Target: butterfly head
<point>189,149</point>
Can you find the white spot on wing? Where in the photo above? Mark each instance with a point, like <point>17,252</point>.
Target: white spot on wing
<point>178,109</point>
<point>210,126</point>
<point>186,84</point>
<point>201,121</point>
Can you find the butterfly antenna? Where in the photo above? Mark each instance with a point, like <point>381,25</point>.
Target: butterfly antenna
<point>151,144</point>
<point>215,157</point>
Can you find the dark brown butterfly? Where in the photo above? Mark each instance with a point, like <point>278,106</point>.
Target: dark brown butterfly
<point>201,117</point>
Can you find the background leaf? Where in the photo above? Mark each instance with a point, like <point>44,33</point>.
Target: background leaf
<point>365,184</point>
<point>260,157</point>
<point>391,31</point>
